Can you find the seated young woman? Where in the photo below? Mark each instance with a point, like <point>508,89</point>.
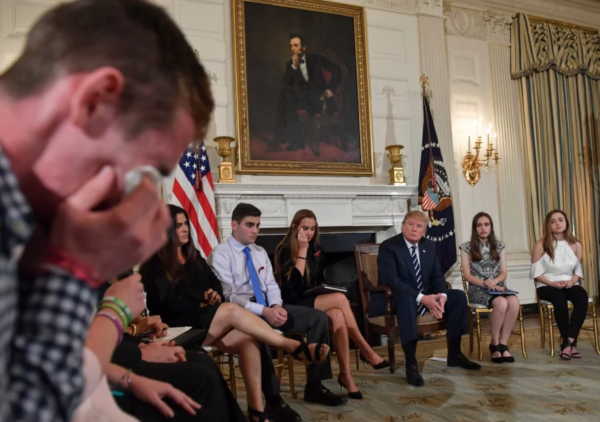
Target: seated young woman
<point>483,261</point>
<point>182,288</point>
<point>299,267</point>
<point>556,267</point>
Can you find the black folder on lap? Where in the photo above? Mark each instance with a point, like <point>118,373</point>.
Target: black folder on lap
<point>193,336</point>
<point>324,289</point>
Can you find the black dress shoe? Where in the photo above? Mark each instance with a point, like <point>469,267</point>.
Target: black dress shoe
<point>462,361</point>
<point>282,412</point>
<point>413,377</point>
<point>323,396</point>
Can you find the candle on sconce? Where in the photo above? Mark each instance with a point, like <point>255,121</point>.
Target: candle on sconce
<point>469,143</point>
<point>495,136</point>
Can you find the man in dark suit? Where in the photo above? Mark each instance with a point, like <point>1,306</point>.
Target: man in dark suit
<point>304,88</point>
<point>408,264</point>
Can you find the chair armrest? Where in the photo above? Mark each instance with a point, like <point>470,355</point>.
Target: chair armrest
<point>380,289</point>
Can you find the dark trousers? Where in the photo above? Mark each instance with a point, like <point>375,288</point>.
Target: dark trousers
<point>559,297</point>
<point>455,315</point>
<point>200,379</point>
<point>313,323</point>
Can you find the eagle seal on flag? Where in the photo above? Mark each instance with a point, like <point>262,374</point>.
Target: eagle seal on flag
<point>434,194</point>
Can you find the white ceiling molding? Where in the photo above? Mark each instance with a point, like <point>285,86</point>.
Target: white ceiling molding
<point>486,24</point>
<point>579,12</point>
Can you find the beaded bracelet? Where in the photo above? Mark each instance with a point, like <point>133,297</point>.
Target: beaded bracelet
<point>118,310</point>
<point>120,304</point>
<point>115,321</point>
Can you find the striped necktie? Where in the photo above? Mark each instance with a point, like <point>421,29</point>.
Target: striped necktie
<point>421,309</point>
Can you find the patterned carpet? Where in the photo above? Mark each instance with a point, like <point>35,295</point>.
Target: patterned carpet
<point>541,388</point>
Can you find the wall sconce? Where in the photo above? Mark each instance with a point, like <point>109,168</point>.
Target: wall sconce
<point>472,164</point>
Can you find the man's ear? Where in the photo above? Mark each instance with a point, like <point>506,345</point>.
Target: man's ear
<point>233,225</point>
<point>95,101</point>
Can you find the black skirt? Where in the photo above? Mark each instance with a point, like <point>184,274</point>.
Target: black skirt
<point>307,301</point>
<point>206,315</point>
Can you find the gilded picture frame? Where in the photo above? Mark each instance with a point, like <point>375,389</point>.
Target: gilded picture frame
<point>316,120</point>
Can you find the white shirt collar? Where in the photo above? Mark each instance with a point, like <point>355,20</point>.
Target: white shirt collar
<point>410,245</point>
<point>237,246</point>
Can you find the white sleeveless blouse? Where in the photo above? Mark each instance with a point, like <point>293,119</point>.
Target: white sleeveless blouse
<point>562,268</point>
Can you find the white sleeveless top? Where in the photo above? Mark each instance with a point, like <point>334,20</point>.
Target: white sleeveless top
<point>562,268</point>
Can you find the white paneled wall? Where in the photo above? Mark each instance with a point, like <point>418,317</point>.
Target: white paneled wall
<point>471,98</point>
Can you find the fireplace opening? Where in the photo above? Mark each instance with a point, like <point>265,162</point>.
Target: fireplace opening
<point>339,263</point>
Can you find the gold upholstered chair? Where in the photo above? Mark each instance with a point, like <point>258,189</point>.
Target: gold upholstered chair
<point>475,310</point>
<point>546,310</point>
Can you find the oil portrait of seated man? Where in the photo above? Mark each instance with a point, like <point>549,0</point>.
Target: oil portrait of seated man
<point>301,80</point>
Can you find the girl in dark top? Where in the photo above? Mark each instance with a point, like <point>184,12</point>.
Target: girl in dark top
<point>183,290</point>
<point>299,267</point>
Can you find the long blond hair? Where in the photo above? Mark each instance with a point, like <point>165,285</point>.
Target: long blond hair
<point>548,239</point>
<point>290,241</point>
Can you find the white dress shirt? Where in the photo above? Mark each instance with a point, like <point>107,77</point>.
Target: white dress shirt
<point>409,246</point>
<point>228,262</point>
<point>303,68</point>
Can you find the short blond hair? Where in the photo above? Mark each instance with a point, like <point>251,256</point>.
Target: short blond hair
<point>416,214</point>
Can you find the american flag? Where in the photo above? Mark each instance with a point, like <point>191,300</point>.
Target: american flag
<point>193,190</point>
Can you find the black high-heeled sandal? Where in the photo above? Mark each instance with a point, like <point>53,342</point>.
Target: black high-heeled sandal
<point>494,349</point>
<point>381,365</point>
<point>504,348</point>
<point>252,414</point>
<point>357,395</point>
<point>564,355</point>
<point>303,348</point>
<point>575,355</point>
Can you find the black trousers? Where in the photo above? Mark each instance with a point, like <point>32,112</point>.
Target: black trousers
<point>200,379</point>
<point>301,320</point>
<point>455,315</point>
<point>559,297</point>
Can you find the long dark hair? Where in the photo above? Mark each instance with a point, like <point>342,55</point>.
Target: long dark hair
<point>168,253</point>
<point>549,236</point>
<point>290,241</point>
<point>475,244</point>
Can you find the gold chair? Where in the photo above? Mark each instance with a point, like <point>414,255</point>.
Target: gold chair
<point>475,310</point>
<point>546,310</point>
<point>366,263</point>
<point>222,359</point>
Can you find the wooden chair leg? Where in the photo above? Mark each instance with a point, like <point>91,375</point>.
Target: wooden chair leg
<point>523,347</point>
<point>470,319</point>
<point>595,322</point>
<point>291,376</point>
<point>279,364</point>
<point>478,323</point>
<point>232,376</point>
<point>542,325</point>
<point>357,355</point>
<point>551,331</point>
<point>392,354</point>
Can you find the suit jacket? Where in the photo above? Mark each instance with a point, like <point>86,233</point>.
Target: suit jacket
<point>396,270</point>
<point>178,304</point>
<point>316,85</point>
<point>296,284</point>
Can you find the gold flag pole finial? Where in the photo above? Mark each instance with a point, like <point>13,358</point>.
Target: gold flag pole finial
<point>424,81</point>
<point>197,54</point>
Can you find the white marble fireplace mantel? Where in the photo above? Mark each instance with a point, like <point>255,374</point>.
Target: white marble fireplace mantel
<point>359,207</point>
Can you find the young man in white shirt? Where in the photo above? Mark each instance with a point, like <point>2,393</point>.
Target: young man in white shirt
<point>247,277</point>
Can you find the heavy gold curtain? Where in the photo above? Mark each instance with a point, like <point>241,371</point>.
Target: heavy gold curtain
<point>557,70</point>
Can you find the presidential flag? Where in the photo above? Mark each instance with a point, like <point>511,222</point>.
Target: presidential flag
<point>434,194</point>
<point>193,191</point>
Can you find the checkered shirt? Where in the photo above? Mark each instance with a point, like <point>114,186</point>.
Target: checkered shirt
<point>43,323</point>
